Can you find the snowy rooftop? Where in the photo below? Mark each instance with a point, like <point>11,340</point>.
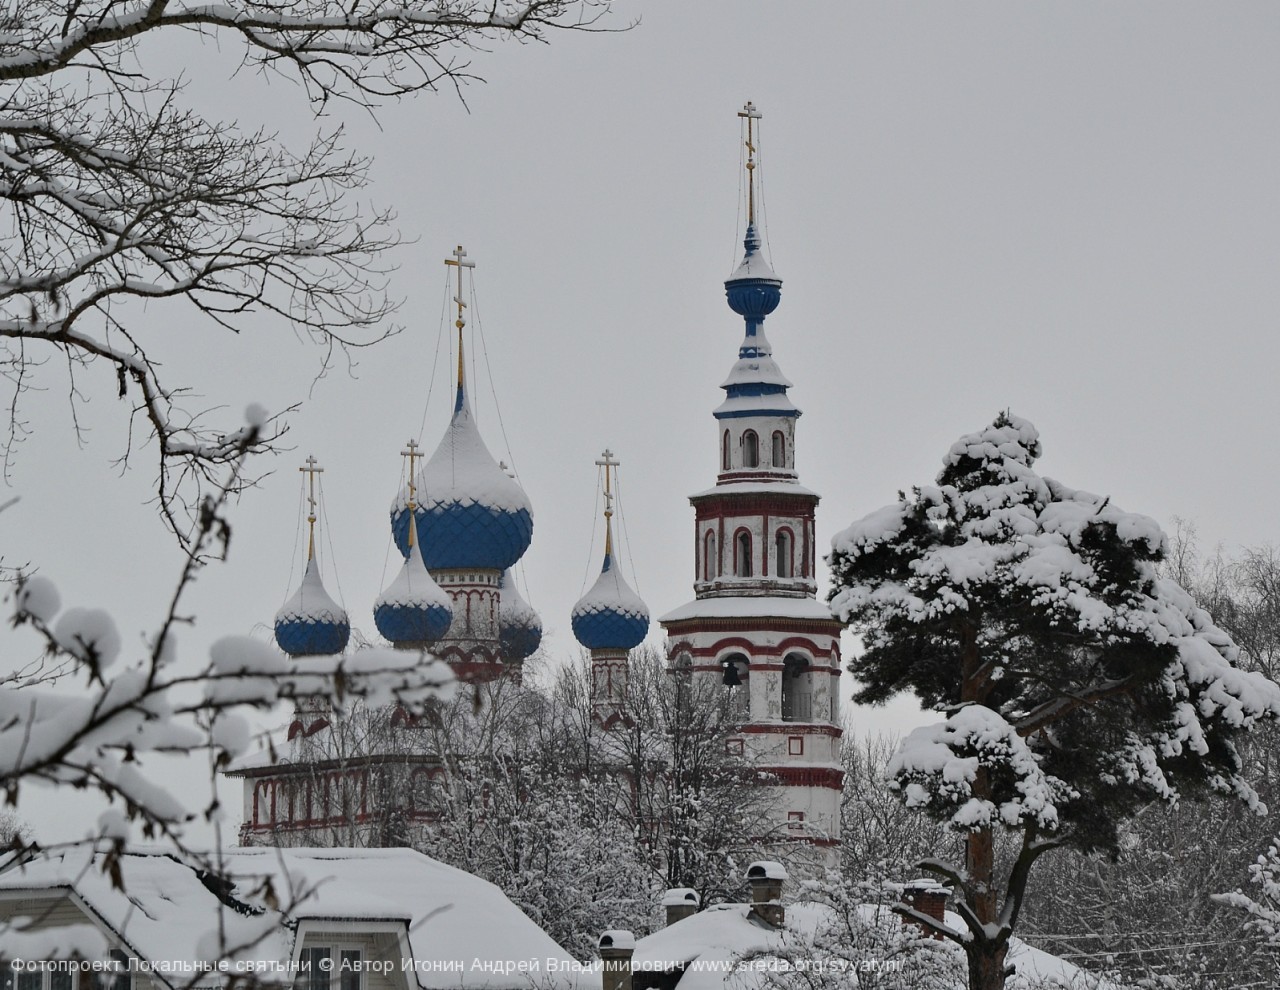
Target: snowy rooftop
<point>760,606</point>
<point>725,934</point>
<point>169,914</point>
<point>756,488</point>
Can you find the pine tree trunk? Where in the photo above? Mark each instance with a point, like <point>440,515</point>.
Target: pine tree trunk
<point>986,966</point>
<point>986,958</point>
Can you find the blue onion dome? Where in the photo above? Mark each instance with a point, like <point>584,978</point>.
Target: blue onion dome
<point>413,609</point>
<point>472,513</point>
<point>610,616</point>
<point>753,290</point>
<point>519,628</point>
<point>311,623</point>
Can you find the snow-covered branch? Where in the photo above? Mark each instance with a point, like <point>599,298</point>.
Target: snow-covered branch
<point>99,720</point>
<point>117,195</point>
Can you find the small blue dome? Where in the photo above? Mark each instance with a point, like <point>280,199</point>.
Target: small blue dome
<point>753,291</point>
<point>472,514</point>
<point>414,609</point>
<point>311,623</point>
<point>610,616</point>
<point>519,628</point>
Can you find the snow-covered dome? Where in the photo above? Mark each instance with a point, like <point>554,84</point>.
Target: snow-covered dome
<point>610,616</point>
<point>753,290</point>
<point>472,513</point>
<point>519,628</point>
<point>311,623</point>
<point>413,609</point>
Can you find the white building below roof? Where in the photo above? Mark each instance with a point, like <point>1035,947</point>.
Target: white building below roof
<point>431,926</point>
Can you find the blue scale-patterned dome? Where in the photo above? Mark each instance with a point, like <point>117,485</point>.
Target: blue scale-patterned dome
<point>519,628</point>
<point>610,616</point>
<point>414,609</point>
<point>753,290</point>
<point>473,514</point>
<point>311,623</point>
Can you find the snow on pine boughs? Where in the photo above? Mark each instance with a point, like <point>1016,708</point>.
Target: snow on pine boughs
<point>999,587</point>
<point>937,764</point>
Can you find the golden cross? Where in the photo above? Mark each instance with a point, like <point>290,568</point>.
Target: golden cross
<point>608,462</point>
<point>751,114</point>
<point>311,468</point>
<point>458,262</point>
<point>411,452</point>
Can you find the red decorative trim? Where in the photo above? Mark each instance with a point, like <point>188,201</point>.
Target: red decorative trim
<point>791,728</point>
<point>824,777</point>
<point>715,504</point>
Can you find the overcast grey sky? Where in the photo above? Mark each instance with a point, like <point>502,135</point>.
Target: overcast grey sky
<point>1070,210</point>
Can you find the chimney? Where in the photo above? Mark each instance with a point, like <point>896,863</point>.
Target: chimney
<point>680,903</point>
<point>766,879</point>
<point>616,949</point>
<point>928,897</point>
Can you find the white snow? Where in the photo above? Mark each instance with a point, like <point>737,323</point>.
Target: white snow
<point>414,586</point>
<point>680,896</point>
<point>463,472</point>
<point>937,764</point>
<point>767,869</point>
<point>611,593</point>
<point>311,602</point>
<point>88,634</point>
<point>513,610</point>
<point>169,914</point>
<point>737,607</point>
<point>775,404</point>
<point>39,598</point>
<point>617,938</point>
<point>755,488</point>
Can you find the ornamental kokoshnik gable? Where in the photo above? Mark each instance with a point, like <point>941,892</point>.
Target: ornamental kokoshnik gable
<point>755,624</point>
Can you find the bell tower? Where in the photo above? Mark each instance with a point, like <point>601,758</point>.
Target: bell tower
<point>755,625</point>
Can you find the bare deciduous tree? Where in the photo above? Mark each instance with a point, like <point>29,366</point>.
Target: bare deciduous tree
<point>115,193</point>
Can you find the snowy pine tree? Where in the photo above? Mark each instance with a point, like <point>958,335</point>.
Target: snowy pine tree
<point>1078,684</point>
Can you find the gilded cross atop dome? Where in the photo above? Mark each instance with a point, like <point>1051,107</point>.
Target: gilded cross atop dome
<point>751,114</point>
<point>606,461</point>
<point>411,453</point>
<point>459,261</point>
<point>311,468</point>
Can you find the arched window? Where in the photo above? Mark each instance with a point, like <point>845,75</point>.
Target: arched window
<point>709,562</point>
<point>724,452</point>
<point>737,678</point>
<point>779,449</point>
<point>782,544</point>
<point>797,689</point>
<point>750,449</point>
<point>742,554</point>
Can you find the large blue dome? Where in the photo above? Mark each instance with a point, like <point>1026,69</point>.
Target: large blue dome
<point>519,628</point>
<point>414,609</point>
<point>311,623</point>
<point>610,616</point>
<point>472,513</point>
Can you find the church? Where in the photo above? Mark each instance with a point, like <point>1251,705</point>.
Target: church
<point>754,627</point>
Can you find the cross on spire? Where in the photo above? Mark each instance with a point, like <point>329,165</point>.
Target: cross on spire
<point>606,461</point>
<point>411,452</point>
<point>752,115</point>
<point>459,261</point>
<point>311,468</point>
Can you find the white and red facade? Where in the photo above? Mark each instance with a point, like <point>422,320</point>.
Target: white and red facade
<point>755,624</point>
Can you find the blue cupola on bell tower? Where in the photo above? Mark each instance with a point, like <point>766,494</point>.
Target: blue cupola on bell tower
<point>756,421</point>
